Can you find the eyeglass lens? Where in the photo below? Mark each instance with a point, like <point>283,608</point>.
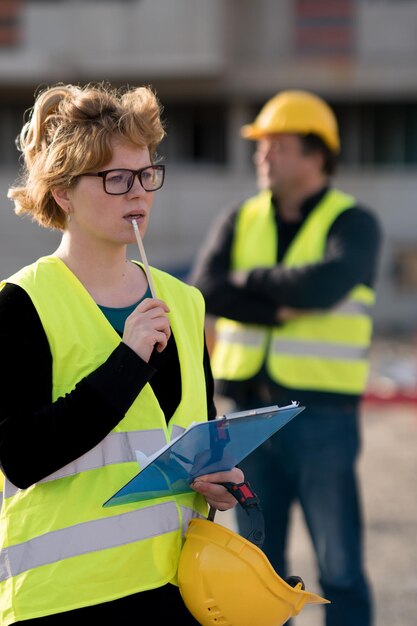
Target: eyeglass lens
<point>121,181</point>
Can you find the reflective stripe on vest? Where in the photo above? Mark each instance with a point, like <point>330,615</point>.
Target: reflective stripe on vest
<point>96,535</point>
<point>115,448</point>
<point>320,351</point>
<point>60,548</point>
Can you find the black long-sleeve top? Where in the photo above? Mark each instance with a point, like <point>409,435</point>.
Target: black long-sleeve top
<point>351,257</point>
<point>38,436</point>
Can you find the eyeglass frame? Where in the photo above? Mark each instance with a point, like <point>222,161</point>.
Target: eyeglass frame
<point>136,173</point>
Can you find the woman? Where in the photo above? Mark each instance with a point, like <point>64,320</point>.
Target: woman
<point>96,369</point>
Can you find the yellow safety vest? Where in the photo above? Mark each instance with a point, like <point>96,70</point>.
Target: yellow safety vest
<point>320,351</point>
<point>59,548</point>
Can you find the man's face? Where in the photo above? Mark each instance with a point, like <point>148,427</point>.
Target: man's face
<point>281,165</point>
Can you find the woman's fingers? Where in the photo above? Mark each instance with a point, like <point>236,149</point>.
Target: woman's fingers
<point>148,327</point>
<point>215,493</point>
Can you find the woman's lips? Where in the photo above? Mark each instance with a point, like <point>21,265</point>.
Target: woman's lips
<point>135,216</point>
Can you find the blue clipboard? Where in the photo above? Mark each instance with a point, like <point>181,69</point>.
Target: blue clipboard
<point>204,448</point>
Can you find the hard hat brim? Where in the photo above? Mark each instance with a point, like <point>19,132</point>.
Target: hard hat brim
<point>250,131</point>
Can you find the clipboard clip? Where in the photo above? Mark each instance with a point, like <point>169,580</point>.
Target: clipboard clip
<point>249,501</point>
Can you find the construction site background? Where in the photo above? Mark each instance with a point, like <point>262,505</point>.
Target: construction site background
<point>213,64</point>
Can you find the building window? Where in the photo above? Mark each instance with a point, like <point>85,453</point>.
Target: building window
<point>10,23</point>
<point>325,28</point>
<point>195,134</point>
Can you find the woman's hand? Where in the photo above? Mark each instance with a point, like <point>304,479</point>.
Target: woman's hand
<point>215,494</point>
<point>147,327</point>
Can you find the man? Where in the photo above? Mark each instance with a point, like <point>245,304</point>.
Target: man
<point>290,275</point>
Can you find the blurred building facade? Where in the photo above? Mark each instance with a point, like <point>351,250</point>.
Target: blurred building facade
<point>213,64</point>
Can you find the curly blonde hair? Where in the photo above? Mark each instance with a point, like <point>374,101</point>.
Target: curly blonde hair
<point>69,131</point>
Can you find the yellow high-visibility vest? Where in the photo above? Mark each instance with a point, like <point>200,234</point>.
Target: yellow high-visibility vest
<point>320,351</point>
<point>59,548</point>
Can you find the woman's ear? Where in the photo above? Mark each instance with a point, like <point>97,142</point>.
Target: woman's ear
<point>61,195</point>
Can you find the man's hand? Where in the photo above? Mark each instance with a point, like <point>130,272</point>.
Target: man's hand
<point>238,277</point>
<point>286,313</point>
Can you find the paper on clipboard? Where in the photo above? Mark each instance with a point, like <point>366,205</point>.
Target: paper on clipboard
<point>203,448</point>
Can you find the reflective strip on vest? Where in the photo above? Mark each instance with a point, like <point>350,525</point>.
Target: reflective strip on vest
<point>117,447</point>
<point>319,349</point>
<point>251,338</point>
<point>91,536</point>
<point>351,307</point>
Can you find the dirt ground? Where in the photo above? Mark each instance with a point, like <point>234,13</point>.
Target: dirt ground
<point>388,473</point>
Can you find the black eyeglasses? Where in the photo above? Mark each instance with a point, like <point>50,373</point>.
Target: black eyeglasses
<point>120,181</point>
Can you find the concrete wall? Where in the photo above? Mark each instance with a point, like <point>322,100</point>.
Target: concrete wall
<point>110,40</point>
<point>245,46</point>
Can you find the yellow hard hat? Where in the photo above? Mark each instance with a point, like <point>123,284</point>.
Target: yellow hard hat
<point>296,111</point>
<point>226,579</point>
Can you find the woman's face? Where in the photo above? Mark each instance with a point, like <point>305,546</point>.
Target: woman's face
<point>96,215</point>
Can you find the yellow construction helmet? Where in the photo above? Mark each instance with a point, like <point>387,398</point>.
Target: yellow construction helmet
<point>226,579</point>
<point>296,112</point>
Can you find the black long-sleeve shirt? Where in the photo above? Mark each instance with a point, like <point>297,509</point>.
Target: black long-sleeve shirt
<point>38,436</point>
<point>351,257</point>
